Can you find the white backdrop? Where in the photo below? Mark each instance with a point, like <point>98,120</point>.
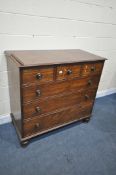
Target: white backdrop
<point>58,24</point>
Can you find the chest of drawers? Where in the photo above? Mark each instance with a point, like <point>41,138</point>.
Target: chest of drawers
<point>50,89</point>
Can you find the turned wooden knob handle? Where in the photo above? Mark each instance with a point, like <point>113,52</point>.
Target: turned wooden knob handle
<point>39,76</point>
<point>38,92</point>
<point>37,126</point>
<point>90,82</point>
<point>69,72</point>
<point>86,96</point>
<point>92,68</point>
<point>38,109</point>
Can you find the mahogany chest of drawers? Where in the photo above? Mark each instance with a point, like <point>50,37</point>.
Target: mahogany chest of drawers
<point>51,88</point>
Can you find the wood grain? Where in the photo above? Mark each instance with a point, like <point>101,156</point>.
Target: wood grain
<point>52,57</point>
<point>15,96</point>
<point>43,123</point>
<point>68,72</point>
<point>30,75</point>
<point>92,68</point>
<point>51,104</point>
<point>56,88</point>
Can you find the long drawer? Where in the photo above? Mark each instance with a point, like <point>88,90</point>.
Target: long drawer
<point>57,102</point>
<point>48,105</point>
<point>34,92</point>
<point>41,124</point>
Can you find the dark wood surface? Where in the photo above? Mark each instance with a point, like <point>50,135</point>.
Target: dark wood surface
<point>37,75</point>
<point>57,102</point>
<point>14,91</point>
<point>34,92</point>
<point>41,75</point>
<point>50,95</point>
<point>51,104</point>
<point>92,68</point>
<point>67,72</point>
<point>51,57</point>
<point>40,124</point>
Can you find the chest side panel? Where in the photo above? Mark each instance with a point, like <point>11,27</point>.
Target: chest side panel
<point>14,92</point>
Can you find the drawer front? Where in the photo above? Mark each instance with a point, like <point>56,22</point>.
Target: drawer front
<point>34,92</point>
<point>52,104</point>
<point>37,75</point>
<point>41,124</point>
<point>92,69</point>
<point>66,72</point>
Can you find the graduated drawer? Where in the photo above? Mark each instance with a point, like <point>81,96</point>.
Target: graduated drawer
<point>37,75</point>
<point>67,72</point>
<point>33,92</point>
<point>51,104</point>
<point>45,123</point>
<point>89,69</point>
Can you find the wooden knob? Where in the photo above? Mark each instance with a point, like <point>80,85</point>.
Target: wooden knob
<point>38,92</point>
<point>69,72</point>
<point>38,109</point>
<point>39,76</point>
<point>90,82</point>
<point>86,96</point>
<point>92,68</point>
<point>37,126</point>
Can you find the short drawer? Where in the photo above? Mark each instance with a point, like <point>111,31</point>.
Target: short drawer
<point>33,92</point>
<point>92,68</point>
<point>66,72</point>
<point>51,104</point>
<point>45,123</point>
<point>37,75</point>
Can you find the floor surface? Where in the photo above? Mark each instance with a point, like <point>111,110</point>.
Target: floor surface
<point>82,149</point>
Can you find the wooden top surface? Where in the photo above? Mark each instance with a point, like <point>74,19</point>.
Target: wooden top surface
<point>51,57</point>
